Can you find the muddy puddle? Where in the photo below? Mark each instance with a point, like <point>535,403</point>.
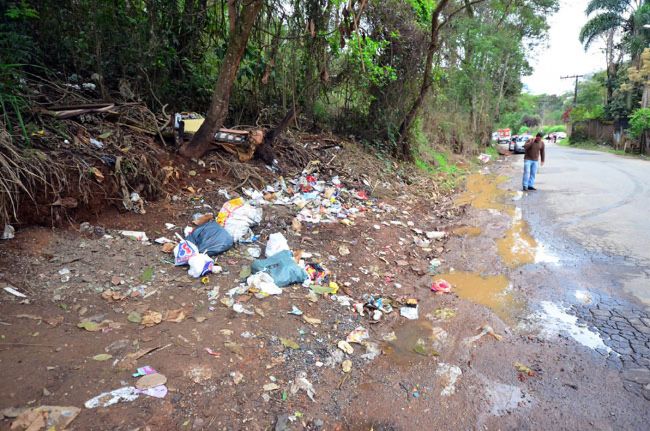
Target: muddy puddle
<point>413,341</point>
<point>483,192</point>
<point>517,247</point>
<point>492,291</point>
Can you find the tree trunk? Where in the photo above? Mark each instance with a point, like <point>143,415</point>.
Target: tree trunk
<point>403,145</point>
<point>237,41</point>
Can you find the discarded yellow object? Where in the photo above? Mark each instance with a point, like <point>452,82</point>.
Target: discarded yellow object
<point>191,125</point>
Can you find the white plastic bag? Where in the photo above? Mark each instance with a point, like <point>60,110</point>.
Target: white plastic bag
<point>183,252</point>
<point>200,264</point>
<point>264,283</point>
<point>241,219</point>
<point>277,243</point>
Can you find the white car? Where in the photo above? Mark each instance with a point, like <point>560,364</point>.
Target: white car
<point>560,135</point>
<point>519,144</point>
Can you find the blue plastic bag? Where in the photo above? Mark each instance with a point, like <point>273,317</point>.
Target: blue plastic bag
<point>211,239</point>
<point>282,268</point>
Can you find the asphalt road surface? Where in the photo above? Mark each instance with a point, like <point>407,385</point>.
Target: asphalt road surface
<point>602,201</point>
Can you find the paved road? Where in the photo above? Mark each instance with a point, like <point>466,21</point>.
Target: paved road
<point>602,201</point>
<point>592,210</point>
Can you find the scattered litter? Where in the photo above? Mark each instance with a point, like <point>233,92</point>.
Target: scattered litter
<point>212,352</point>
<point>45,418</point>
<point>346,366</point>
<point>282,268</point>
<point>358,335</point>
<point>263,283</point>
<point>14,292</point>
<point>449,374</point>
<point>295,311</point>
<point>343,250</point>
<point>200,265</point>
<point>159,391</point>
<point>276,243</point>
<point>136,235</point>
<point>372,350</point>
<point>441,286</point>
<point>524,369</point>
<point>301,383</point>
<point>124,394</point>
<point>9,232</point>
<point>211,239</point>
<point>409,312</point>
<point>144,371</point>
<point>239,308</point>
<point>484,158</point>
<point>254,252</point>
<point>199,219</point>
<point>485,330</point>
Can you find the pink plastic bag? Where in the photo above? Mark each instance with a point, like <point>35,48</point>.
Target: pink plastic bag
<point>441,285</point>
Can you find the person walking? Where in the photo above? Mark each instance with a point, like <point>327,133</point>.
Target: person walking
<point>534,150</point>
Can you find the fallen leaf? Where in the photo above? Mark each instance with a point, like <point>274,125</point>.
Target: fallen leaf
<point>200,319</point>
<point>346,347</point>
<point>168,247</point>
<point>287,342</point>
<point>115,280</point>
<point>176,316</point>
<point>112,296</point>
<point>151,318</point>
<point>311,320</point>
<point>102,357</point>
<point>97,174</point>
<point>130,360</point>
<point>94,326</point>
<point>524,369</point>
<point>45,417</point>
<point>150,381</point>
<point>134,317</point>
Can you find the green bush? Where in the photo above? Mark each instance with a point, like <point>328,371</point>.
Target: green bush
<point>640,122</point>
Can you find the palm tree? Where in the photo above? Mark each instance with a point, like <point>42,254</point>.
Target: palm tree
<point>625,17</point>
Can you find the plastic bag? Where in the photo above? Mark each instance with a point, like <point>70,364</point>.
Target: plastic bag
<point>211,239</point>
<point>264,283</point>
<point>228,208</point>
<point>241,219</point>
<point>200,264</point>
<point>183,252</point>
<point>282,268</point>
<point>277,243</point>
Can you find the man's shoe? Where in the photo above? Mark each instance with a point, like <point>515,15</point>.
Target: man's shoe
<point>532,188</point>
<point>525,188</point>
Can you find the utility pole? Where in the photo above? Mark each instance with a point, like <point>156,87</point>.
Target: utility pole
<point>575,92</point>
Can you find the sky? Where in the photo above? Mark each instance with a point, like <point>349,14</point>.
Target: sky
<point>564,55</point>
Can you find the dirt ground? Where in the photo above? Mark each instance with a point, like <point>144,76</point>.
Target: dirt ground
<point>433,372</point>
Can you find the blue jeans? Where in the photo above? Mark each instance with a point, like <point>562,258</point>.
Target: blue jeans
<point>530,170</point>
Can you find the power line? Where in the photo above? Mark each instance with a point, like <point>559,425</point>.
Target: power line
<point>575,92</point>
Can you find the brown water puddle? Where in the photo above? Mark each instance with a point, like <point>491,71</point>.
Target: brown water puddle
<point>483,192</point>
<point>412,342</point>
<point>490,291</point>
<point>517,247</point>
<point>467,231</point>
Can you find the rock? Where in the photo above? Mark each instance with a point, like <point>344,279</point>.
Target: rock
<point>282,423</point>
